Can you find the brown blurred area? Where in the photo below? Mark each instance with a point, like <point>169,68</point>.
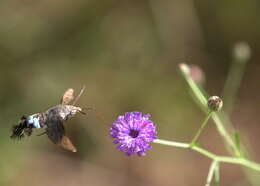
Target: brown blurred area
<point>127,54</point>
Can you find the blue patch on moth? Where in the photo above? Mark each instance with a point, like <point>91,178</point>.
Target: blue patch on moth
<point>35,122</point>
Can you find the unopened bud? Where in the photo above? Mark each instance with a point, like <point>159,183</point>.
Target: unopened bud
<point>184,68</point>
<point>197,74</point>
<point>242,51</point>
<point>215,103</point>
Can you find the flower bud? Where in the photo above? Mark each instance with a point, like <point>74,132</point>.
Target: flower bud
<point>242,52</point>
<point>197,74</point>
<point>185,69</point>
<point>215,103</point>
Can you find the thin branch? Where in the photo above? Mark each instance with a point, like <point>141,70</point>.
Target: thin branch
<point>203,125</point>
<point>203,102</point>
<point>224,159</point>
<point>211,172</point>
<point>217,174</point>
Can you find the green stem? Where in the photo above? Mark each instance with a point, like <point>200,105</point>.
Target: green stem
<point>172,143</point>
<point>240,59</point>
<point>224,159</point>
<point>203,103</point>
<point>204,152</point>
<point>203,125</point>
<point>212,169</point>
<point>223,132</point>
<point>239,161</point>
<point>217,174</point>
<point>221,120</point>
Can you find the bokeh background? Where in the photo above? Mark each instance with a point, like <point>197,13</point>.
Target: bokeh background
<point>127,54</point>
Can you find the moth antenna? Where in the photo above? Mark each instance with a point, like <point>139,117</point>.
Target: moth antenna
<point>78,96</point>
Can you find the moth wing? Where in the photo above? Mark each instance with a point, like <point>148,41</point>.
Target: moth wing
<point>67,144</point>
<point>55,130</point>
<point>68,96</point>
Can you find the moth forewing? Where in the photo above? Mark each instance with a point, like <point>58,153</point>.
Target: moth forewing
<point>67,144</point>
<point>68,96</point>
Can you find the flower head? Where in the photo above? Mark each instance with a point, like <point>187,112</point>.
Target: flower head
<point>133,132</point>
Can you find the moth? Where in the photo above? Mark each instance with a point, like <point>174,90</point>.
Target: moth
<point>52,120</point>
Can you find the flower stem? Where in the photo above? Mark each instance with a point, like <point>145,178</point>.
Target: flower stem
<point>172,143</point>
<point>203,152</point>
<point>240,161</point>
<point>212,169</point>
<point>203,125</point>
<point>240,59</point>
<point>217,174</point>
<point>224,159</point>
<point>199,96</point>
<point>221,120</point>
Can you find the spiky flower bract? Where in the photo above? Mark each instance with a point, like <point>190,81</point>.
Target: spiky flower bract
<point>133,132</point>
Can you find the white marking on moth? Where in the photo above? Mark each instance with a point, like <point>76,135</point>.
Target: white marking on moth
<point>62,115</point>
<point>34,121</point>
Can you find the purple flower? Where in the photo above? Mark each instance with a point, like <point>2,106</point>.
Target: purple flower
<point>133,132</point>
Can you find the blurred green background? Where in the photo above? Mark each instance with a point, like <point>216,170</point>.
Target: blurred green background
<point>127,54</point>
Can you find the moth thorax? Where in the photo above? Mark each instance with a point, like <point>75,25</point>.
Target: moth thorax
<point>68,111</point>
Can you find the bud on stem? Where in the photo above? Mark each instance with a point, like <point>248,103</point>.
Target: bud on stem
<point>215,103</point>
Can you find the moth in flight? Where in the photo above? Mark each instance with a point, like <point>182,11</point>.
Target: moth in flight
<point>52,120</point>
